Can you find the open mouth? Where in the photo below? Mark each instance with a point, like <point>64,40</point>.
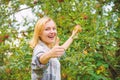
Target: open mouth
<point>51,37</point>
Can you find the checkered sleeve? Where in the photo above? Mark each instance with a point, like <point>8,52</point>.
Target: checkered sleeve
<point>37,52</point>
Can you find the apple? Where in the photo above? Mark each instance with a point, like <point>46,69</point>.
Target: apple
<point>78,28</point>
<point>35,1</point>
<point>61,0</point>
<point>6,36</point>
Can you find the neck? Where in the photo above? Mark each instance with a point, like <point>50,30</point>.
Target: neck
<point>49,45</point>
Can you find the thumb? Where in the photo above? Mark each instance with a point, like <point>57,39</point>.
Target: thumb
<point>57,41</point>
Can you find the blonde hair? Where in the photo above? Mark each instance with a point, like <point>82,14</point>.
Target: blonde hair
<point>38,29</point>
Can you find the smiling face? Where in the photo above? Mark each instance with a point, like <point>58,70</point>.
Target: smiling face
<point>49,33</point>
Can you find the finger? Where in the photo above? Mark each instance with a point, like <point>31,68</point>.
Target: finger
<point>59,55</point>
<point>60,52</point>
<point>57,41</point>
<point>56,56</point>
<point>60,47</point>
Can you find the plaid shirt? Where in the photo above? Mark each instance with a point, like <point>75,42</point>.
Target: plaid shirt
<point>50,71</point>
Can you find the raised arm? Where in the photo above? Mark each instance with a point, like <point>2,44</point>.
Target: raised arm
<point>71,38</point>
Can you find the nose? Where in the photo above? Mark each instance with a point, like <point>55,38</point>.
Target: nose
<point>52,31</point>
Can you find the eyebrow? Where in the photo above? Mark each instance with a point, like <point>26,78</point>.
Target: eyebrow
<point>50,26</point>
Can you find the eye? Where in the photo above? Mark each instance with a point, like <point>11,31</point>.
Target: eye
<point>46,29</point>
<point>54,28</point>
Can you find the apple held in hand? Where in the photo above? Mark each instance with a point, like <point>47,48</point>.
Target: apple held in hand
<point>78,28</point>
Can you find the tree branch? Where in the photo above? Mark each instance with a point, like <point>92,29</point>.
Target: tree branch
<point>19,10</point>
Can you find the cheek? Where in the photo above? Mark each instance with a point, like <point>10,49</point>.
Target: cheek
<point>42,35</point>
<point>45,33</point>
<point>55,32</point>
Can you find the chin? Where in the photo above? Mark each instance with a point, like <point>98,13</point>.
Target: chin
<point>49,42</point>
<point>52,41</point>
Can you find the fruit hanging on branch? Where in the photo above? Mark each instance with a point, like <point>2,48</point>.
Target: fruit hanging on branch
<point>35,1</point>
<point>6,36</point>
<point>60,1</point>
<point>85,17</point>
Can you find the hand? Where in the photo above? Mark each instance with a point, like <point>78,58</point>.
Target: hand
<point>57,50</point>
<point>76,29</point>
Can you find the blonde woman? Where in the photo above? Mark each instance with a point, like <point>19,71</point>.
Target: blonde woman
<point>46,50</point>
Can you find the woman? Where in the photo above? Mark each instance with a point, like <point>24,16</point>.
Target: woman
<point>46,50</point>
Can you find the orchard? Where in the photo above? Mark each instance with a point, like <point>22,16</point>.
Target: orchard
<point>94,55</point>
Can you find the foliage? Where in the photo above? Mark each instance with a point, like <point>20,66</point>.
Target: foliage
<point>92,56</point>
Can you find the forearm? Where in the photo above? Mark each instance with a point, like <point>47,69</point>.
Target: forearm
<point>45,58</point>
<point>68,43</point>
<point>55,52</point>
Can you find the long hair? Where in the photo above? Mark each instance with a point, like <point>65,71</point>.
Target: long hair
<point>38,29</point>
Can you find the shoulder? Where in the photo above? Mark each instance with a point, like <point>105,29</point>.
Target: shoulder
<point>38,49</point>
<point>38,46</point>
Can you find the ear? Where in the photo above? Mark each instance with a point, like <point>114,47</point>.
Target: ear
<point>39,34</point>
<point>39,37</point>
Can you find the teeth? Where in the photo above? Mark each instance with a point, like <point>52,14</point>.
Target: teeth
<point>50,37</point>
